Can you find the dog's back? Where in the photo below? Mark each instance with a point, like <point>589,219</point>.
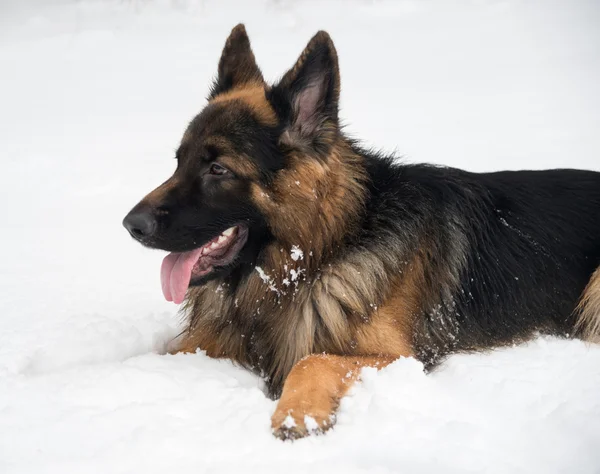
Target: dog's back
<point>523,247</point>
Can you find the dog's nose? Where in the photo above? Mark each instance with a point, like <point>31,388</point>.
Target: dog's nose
<point>140,224</point>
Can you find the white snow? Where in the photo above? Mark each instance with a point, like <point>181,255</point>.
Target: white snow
<point>94,96</point>
<point>263,276</point>
<point>295,274</point>
<point>267,280</point>
<point>296,253</point>
<point>289,422</point>
<point>311,424</point>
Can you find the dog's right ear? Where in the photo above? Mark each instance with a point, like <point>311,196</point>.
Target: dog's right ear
<point>237,66</point>
<point>307,96</point>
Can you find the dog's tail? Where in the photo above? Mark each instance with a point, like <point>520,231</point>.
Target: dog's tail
<point>588,311</point>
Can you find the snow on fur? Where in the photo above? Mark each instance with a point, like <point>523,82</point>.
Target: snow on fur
<point>94,97</point>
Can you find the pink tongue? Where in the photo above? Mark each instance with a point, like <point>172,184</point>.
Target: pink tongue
<point>176,272</point>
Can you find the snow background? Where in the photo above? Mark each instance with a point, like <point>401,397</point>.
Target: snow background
<point>94,96</point>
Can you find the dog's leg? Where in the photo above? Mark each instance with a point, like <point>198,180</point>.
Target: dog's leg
<point>186,344</point>
<point>174,347</point>
<point>312,392</point>
<point>181,344</point>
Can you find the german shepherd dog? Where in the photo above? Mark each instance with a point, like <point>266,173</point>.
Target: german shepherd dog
<point>304,257</point>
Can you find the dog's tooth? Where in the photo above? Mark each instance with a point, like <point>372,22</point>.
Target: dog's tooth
<point>214,245</point>
<point>222,238</point>
<point>228,232</point>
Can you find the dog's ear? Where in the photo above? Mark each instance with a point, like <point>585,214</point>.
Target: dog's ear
<point>237,65</point>
<point>307,96</point>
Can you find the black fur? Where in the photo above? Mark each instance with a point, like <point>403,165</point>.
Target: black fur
<point>500,256</point>
<point>531,242</point>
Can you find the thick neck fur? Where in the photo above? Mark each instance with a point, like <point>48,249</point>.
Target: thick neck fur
<point>309,288</point>
<point>444,244</point>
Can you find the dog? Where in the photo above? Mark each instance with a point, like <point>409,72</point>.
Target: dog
<point>304,257</point>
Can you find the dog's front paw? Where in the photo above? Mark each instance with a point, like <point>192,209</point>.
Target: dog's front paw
<point>312,392</point>
<point>295,423</point>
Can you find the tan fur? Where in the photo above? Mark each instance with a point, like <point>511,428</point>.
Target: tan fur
<point>240,166</point>
<point>390,329</point>
<point>310,317</point>
<point>314,388</point>
<point>312,203</point>
<point>309,313</point>
<point>357,307</point>
<point>253,95</point>
<point>588,322</point>
<point>157,196</point>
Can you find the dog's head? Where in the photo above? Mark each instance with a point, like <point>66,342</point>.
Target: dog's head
<point>250,149</point>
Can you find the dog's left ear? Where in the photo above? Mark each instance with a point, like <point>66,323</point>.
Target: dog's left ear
<point>237,66</point>
<point>307,96</point>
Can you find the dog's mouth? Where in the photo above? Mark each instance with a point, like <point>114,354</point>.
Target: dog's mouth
<point>179,269</point>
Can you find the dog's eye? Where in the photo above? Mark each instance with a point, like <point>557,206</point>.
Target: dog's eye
<point>218,169</point>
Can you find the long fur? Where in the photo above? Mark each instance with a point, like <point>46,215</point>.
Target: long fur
<point>352,252</point>
<point>498,257</point>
